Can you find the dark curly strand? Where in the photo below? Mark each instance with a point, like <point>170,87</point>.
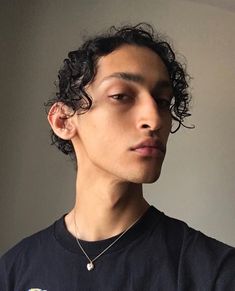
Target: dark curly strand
<point>80,67</point>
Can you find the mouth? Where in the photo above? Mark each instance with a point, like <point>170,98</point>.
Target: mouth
<point>150,147</point>
<point>147,151</point>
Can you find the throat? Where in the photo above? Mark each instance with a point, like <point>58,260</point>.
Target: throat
<point>102,225</point>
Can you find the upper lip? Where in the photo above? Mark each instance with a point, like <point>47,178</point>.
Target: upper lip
<point>150,143</point>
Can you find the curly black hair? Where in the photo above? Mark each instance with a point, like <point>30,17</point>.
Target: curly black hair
<point>80,68</point>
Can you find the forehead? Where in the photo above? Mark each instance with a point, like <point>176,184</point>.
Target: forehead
<point>132,59</point>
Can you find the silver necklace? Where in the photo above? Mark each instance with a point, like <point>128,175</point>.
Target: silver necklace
<point>90,266</point>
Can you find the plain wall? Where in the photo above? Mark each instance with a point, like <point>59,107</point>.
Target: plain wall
<point>38,183</point>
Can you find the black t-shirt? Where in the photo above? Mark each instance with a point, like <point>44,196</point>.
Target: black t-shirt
<point>157,253</point>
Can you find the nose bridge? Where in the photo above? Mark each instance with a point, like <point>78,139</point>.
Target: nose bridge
<point>150,115</point>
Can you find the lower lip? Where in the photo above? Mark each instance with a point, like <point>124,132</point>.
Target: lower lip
<point>149,151</point>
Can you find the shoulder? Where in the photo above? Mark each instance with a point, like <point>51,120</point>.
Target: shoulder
<point>201,258</point>
<point>36,239</point>
<point>28,247</point>
<point>190,237</point>
<point>192,240</point>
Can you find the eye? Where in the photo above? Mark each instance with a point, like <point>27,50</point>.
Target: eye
<point>120,97</point>
<point>163,103</point>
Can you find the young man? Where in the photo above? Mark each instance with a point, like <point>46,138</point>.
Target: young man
<point>118,94</point>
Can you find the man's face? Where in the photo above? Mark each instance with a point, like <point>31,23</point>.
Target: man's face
<point>130,93</point>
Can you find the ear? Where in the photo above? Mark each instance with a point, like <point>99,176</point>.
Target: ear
<point>61,121</point>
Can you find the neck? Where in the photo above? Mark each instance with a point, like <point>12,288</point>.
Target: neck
<point>105,208</point>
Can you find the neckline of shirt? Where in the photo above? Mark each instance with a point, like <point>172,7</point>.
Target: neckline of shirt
<point>138,230</point>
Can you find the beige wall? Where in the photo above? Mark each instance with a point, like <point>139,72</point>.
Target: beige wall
<point>37,182</point>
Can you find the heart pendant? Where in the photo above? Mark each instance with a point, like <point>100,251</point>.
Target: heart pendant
<point>90,266</point>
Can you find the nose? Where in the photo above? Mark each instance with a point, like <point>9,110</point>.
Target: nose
<point>150,116</point>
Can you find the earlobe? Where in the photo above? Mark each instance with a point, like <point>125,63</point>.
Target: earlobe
<point>60,119</point>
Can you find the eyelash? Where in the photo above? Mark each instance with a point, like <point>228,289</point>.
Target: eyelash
<point>161,102</point>
<point>120,96</point>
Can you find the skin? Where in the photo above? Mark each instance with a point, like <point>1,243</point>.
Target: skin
<point>127,109</point>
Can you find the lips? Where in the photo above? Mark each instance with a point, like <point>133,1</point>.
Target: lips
<point>149,144</point>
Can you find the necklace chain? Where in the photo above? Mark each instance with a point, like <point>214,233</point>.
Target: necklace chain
<point>90,265</point>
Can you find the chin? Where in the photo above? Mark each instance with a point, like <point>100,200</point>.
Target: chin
<point>146,179</point>
<point>151,180</point>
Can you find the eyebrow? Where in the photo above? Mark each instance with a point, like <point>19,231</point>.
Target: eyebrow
<point>137,78</point>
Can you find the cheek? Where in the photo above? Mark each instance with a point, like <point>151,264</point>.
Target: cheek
<point>169,124</point>
<point>100,134</point>
<point>106,129</point>
<point>167,121</point>
<point>111,123</point>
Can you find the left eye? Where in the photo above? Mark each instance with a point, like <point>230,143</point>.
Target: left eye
<point>120,97</point>
<point>163,103</point>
